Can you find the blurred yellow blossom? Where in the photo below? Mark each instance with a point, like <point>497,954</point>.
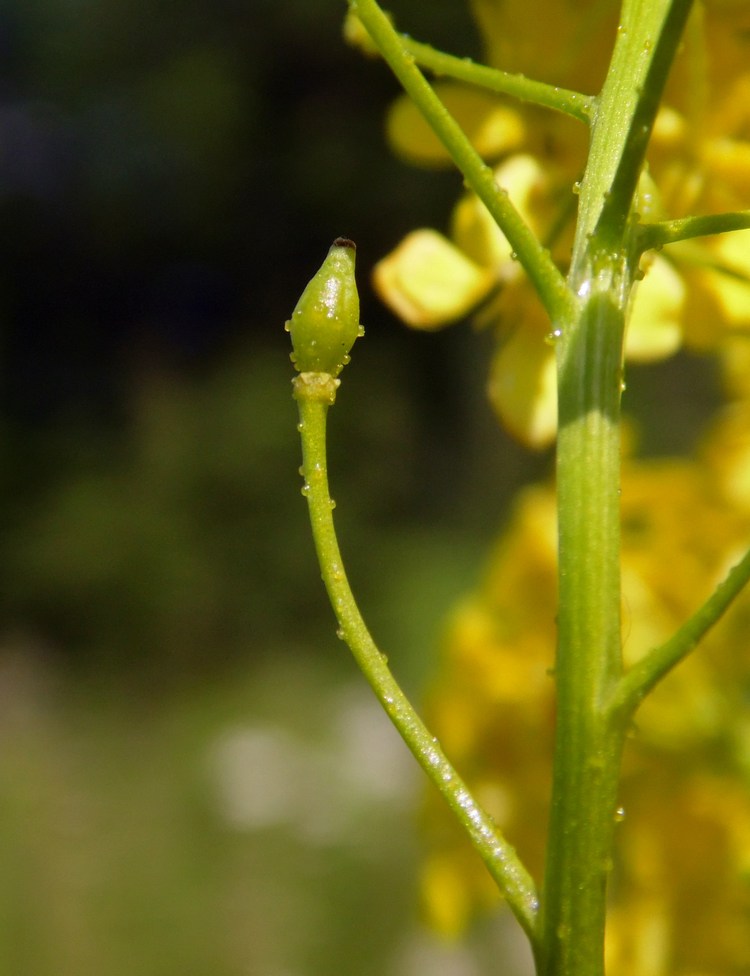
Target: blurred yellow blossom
<point>655,322</point>
<point>430,281</point>
<point>575,53</point>
<point>680,889</point>
<point>699,162</point>
<point>494,128</point>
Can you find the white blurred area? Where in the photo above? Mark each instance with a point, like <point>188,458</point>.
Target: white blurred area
<point>351,788</point>
<point>324,790</point>
<point>267,824</point>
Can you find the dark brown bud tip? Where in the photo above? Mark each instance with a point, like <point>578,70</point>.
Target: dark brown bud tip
<point>344,242</point>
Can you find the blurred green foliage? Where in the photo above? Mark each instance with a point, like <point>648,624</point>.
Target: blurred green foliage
<point>171,176</point>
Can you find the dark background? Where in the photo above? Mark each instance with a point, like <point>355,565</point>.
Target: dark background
<point>170,177</point>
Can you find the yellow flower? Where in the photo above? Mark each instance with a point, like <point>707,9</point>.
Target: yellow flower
<point>655,322</point>
<point>699,161</point>
<point>430,282</point>
<point>522,384</point>
<point>575,53</point>
<point>495,129</point>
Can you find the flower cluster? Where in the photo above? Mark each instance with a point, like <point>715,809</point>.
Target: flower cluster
<point>680,893</point>
<point>697,294</point>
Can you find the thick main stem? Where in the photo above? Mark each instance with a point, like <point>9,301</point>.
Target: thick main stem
<point>588,747</point>
<point>589,732</point>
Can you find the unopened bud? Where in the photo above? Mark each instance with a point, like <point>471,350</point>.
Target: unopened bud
<point>325,322</point>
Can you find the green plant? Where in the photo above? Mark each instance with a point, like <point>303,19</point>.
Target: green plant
<point>587,308</point>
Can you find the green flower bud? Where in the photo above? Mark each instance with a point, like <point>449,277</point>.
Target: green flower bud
<point>325,322</point>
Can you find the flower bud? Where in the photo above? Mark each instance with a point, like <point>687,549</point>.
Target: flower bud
<point>325,322</point>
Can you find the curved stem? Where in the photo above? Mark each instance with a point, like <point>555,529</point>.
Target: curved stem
<point>314,393</point>
<point>535,259</point>
<point>563,100</point>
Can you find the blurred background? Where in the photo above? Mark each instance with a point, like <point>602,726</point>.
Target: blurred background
<point>194,779</point>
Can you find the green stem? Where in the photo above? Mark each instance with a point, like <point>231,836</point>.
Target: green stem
<point>589,733</point>
<point>588,665</point>
<point>535,259</point>
<point>503,82</point>
<point>643,676</point>
<point>647,39</point>
<point>671,231</point>
<point>314,393</point>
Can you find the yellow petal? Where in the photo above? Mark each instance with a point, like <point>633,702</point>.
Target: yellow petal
<point>493,128</point>
<point>476,232</point>
<point>728,160</point>
<point>670,129</point>
<point>564,42</point>
<point>655,323</point>
<point>445,895</point>
<point>523,386</point>
<point>733,291</point>
<point>428,282</point>
<point>734,354</point>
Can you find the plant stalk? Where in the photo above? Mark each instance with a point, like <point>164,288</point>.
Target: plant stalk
<point>589,732</point>
<point>588,746</point>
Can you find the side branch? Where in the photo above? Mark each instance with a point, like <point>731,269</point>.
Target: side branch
<point>563,100</point>
<point>314,393</point>
<point>643,676</point>
<point>670,231</point>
